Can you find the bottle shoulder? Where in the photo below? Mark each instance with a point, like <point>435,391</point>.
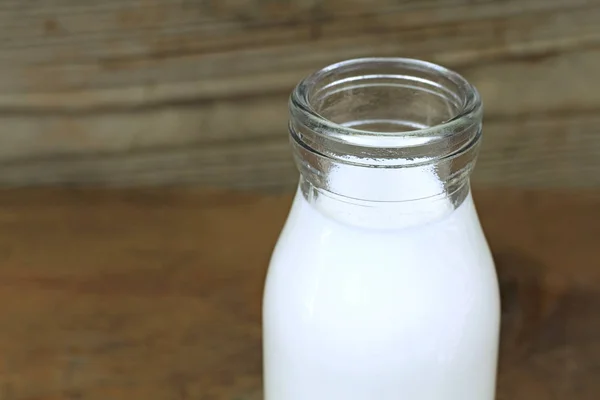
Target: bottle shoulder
<point>307,224</point>
<point>314,248</point>
<point>322,268</point>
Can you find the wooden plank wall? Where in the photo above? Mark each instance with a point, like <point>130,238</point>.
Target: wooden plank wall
<point>136,92</point>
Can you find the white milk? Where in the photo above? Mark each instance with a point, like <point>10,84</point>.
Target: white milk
<point>355,310</point>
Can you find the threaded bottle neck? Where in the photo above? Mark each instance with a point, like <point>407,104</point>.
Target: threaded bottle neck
<point>385,129</point>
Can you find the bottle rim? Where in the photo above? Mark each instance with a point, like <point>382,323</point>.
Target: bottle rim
<point>468,113</point>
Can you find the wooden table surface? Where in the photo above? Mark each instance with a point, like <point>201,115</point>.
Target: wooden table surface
<point>155,294</point>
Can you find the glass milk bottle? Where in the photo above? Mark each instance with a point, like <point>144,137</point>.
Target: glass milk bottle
<point>382,285</point>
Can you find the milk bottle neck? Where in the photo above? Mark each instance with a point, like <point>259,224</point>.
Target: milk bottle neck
<point>387,136</point>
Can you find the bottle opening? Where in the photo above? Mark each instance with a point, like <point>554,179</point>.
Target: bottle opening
<point>398,109</point>
<point>386,96</point>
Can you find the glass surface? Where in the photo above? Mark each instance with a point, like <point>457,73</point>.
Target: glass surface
<point>385,120</point>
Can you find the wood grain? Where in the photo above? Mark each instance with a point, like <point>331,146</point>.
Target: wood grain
<point>171,91</point>
<point>155,294</point>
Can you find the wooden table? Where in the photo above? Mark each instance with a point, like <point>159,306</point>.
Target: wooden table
<point>155,294</point>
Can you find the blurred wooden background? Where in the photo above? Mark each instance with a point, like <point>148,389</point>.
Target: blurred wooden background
<point>136,92</point>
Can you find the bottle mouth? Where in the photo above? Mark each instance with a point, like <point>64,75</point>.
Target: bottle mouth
<point>396,110</point>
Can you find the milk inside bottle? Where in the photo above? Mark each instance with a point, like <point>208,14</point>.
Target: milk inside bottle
<point>381,285</point>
